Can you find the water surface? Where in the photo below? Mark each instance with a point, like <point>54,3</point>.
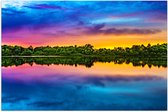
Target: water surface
<point>103,86</point>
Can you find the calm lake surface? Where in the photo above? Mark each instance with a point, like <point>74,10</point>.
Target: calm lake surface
<point>104,86</point>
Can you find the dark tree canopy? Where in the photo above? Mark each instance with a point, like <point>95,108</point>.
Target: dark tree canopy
<point>159,50</point>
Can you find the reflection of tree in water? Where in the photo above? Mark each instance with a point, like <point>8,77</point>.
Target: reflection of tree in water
<point>86,61</point>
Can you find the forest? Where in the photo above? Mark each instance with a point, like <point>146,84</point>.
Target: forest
<point>159,51</point>
<point>85,61</point>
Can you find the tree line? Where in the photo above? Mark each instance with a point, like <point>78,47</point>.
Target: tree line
<point>159,50</point>
<point>85,61</point>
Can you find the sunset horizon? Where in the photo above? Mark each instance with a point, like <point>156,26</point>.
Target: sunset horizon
<point>110,25</point>
<point>112,47</point>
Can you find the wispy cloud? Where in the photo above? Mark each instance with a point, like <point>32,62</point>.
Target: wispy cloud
<point>100,29</point>
<point>131,31</point>
<point>45,6</point>
<point>7,11</point>
<point>76,19</point>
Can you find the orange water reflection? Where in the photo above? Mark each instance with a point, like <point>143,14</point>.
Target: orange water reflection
<point>26,71</point>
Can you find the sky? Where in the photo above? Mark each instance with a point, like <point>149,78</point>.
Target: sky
<point>104,24</point>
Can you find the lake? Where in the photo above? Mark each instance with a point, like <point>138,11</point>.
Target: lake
<point>101,86</point>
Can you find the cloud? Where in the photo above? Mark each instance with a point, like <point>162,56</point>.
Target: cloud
<point>130,31</point>
<point>95,29</point>
<point>45,6</point>
<point>10,11</point>
<point>60,34</point>
<point>75,18</point>
<point>101,29</point>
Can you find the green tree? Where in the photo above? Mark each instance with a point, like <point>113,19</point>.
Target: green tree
<point>26,52</point>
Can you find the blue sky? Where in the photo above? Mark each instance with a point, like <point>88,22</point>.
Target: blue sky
<point>75,19</point>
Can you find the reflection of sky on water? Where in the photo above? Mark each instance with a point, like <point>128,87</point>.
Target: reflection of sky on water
<point>47,88</point>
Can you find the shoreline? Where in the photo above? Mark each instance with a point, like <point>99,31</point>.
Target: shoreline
<point>76,56</point>
<point>33,56</point>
